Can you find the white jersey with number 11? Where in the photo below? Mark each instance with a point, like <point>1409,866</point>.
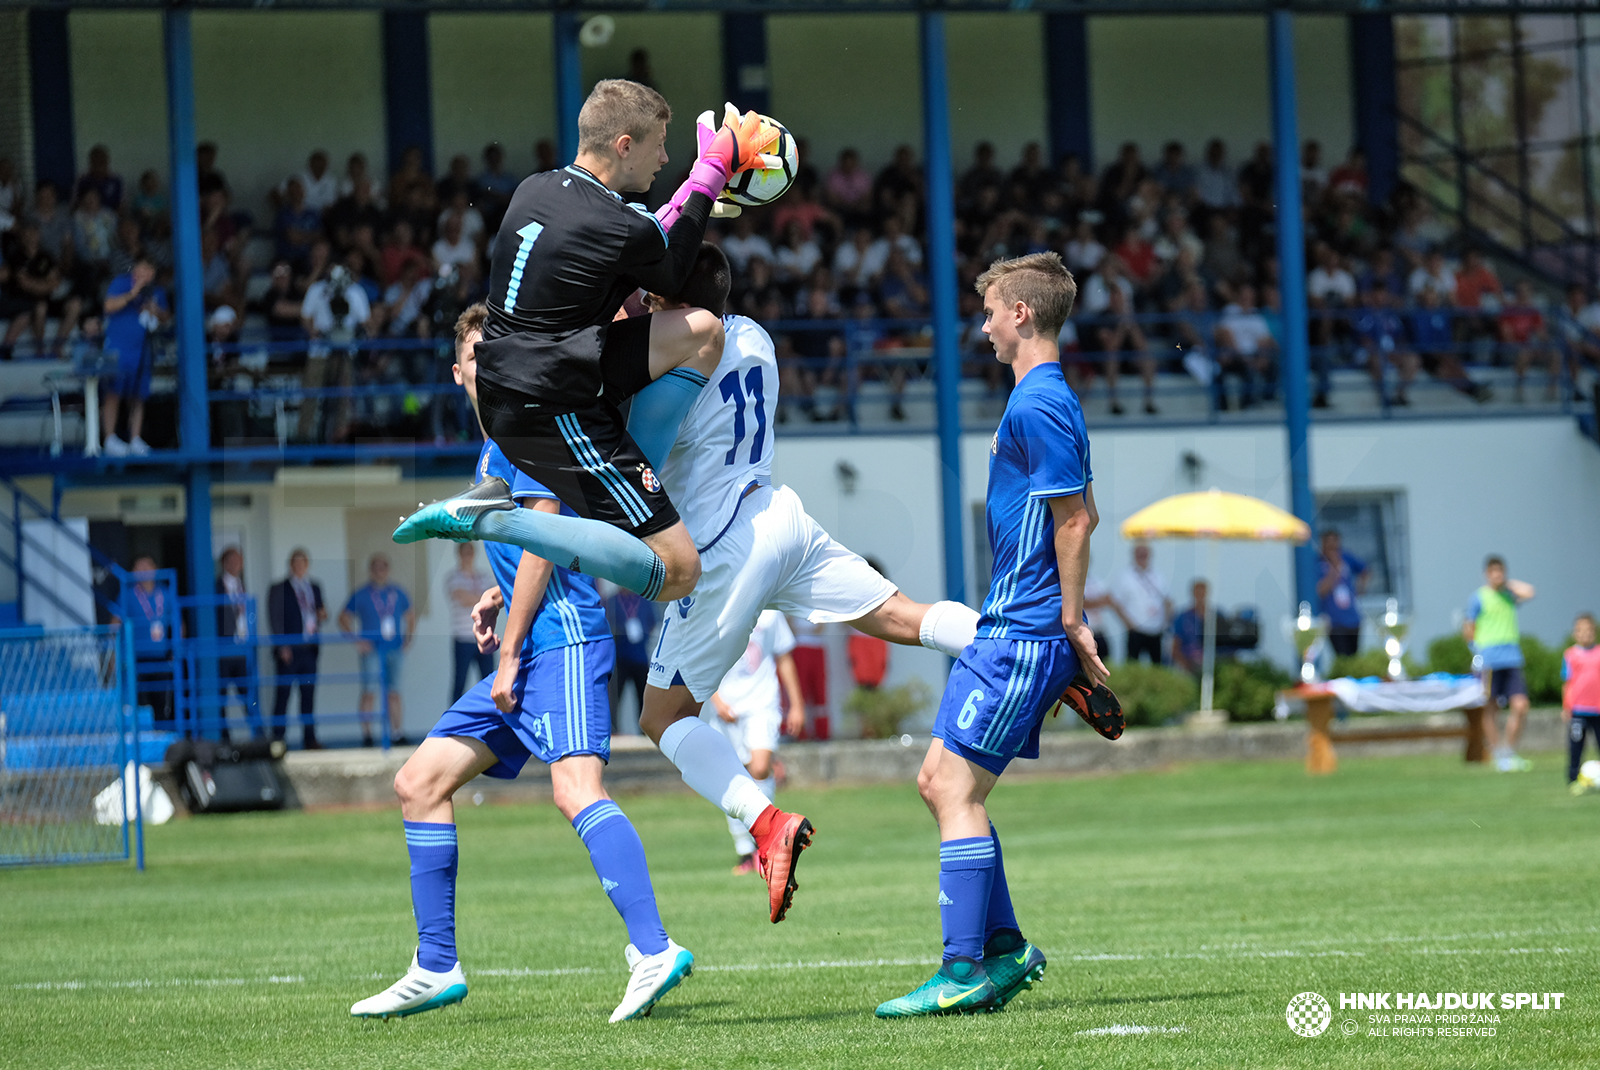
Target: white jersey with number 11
<point>725,442</point>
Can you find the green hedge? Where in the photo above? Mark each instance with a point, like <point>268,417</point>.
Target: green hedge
<point>1542,664</point>
<point>1153,694</point>
<point>1249,689</point>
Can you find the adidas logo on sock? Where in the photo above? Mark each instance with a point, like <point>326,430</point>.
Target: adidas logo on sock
<point>945,900</point>
<point>607,883</point>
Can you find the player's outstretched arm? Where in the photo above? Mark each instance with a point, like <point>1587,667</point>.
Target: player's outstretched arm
<point>948,627</point>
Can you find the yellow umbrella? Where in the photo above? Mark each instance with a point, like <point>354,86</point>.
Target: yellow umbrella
<point>1214,515</point>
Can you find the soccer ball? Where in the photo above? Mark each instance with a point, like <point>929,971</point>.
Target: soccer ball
<point>1588,777</point>
<point>751,189</point>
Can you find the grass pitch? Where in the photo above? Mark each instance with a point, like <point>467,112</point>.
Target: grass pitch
<point>1181,911</point>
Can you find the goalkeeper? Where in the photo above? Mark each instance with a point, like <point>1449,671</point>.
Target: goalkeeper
<point>553,367</point>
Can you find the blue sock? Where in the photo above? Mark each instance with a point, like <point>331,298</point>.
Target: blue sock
<point>592,547</point>
<point>966,872</point>
<point>618,859</point>
<point>432,847</point>
<point>658,411</point>
<point>1000,914</point>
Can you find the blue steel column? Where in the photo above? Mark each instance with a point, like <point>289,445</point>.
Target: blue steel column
<point>942,277</point>
<point>1292,280</point>
<point>194,423</point>
<point>1377,129</point>
<point>50,81</point>
<point>569,84</point>
<point>1066,66</point>
<point>745,77</point>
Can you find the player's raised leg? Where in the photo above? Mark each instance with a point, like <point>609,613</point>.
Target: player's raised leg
<point>425,785</point>
<point>656,964</point>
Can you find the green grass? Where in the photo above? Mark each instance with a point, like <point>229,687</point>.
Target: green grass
<point>1198,899</point>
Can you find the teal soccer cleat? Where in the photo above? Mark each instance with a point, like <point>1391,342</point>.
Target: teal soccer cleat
<point>454,517</point>
<point>1013,964</point>
<point>419,990</point>
<point>960,987</point>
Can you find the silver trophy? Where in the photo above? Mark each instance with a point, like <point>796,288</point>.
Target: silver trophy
<point>1395,630</point>
<point>1310,635</point>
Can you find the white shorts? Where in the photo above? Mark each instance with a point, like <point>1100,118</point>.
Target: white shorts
<point>751,732</point>
<point>772,555</point>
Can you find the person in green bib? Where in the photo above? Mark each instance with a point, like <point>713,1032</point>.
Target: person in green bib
<point>1491,628</point>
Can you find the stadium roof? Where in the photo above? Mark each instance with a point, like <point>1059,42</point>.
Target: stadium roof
<point>782,7</point>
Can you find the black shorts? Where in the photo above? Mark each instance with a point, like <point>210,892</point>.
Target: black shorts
<point>1505,684</point>
<point>586,458</point>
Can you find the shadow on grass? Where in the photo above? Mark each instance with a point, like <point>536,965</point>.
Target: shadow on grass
<point>1180,997</point>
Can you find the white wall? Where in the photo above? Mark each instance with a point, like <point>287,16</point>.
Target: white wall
<point>516,107</point>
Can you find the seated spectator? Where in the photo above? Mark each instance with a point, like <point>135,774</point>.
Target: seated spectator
<point>1189,632</point>
<point>1381,335</point>
<point>1313,176</point>
<point>817,298</point>
<point>1138,258</point>
<point>1029,179</point>
<point>454,246</point>
<point>207,175</point>
<point>1109,329</point>
<point>1475,281</point>
<point>756,292</point>
<point>904,288</point>
<point>796,256</point>
<point>1330,289</point>
<point>296,226</point>
<point>744,244</point>
<point>1215,186</point>
<point>130,247</point>
<point>321,185</point>
<point>399,249</point>
<point>493,186</point>
<point>216,215</point>
<point>1222,259</point>
<point>1383,274</point>
<point>411,177</point>
<point>1143,208</point>
<point>894,236</point>
<point>355,169</point>
<point>52,220</point>
<point>902,178</point>
<point>34,277</point>
<point>1350,177</point>
<point>457,179</point>
<point>280,304</point>
<point>982,175</point>
<point>106,184</point>
<point>801,206</point>
<point>355,209</point>
<point>1118,181</point>
<point>1432,327</point>
<point>1256,178</point>
<point>11,196</point>
<point>1084,252</point>
<point>94,232</point>
<point>148,206</point>
<point>216,270</point>
<point>406,297</point>
<point>1523,332</point>
<point>1175,174</point>
<point>848,189</point>
<point>1581,328</point>
<point>1246,348</point>
<point>1433,274</point>
<point>1176,237</point>
<point>544,156</point>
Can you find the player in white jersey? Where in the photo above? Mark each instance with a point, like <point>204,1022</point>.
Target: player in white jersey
<point>745,708</point>
<point>759,550</point>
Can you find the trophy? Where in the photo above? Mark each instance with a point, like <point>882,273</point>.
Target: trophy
<point>1310,634</point>
<point>1395,629</point>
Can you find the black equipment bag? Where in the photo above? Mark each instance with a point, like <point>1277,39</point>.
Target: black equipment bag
<point>218,778</point>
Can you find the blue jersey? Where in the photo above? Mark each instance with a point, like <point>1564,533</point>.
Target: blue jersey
<point>381,612</point>
<point>570,612</point>
<point>1041,451</point>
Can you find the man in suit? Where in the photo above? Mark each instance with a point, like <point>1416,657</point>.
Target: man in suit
<point>234,637</point>
<point>294,605</point>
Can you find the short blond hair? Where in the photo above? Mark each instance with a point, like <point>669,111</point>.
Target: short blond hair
<point>1040,281</point>
<point>615,107</point>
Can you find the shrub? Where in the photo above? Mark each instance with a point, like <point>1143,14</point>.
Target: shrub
<point>1153,694</point>
<point>1372,663</point>
<point>1248,689</point>
<point>1450,653</point>
<point>882,709</point>
<point>1542,670</point>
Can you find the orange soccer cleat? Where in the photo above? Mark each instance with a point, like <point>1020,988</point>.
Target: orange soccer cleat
<point>780,837</point>
<point>1096,704</point>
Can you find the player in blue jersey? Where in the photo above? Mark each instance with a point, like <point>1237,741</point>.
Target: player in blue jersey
<point>547,700</point>
<point>1032,640</point>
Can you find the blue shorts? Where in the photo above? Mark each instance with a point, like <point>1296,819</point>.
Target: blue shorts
<point>563,708</point>
<point>1505,684</point>
<point>997,696</point>
<point>372,673</point>
<point>132,379</point>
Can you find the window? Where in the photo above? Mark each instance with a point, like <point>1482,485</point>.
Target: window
<point>1372,526</point>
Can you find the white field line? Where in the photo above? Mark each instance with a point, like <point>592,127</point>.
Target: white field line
<point>836,964</point>
<point>1130,1030</point>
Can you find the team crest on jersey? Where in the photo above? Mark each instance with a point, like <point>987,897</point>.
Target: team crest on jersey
<point>483,469</point>
<point>684,605</point>
<point>647,476</point>
<point>994,443</point>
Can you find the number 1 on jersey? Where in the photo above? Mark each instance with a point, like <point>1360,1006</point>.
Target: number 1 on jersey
<point>529,234</point>
<point>730,390</point>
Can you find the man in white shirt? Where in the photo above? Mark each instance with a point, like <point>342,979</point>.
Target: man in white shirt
<point>1215,183</point>
<point>321,185</point>
<point>453,246</point>
<point>1139,596</point>
<point>1434,274</point>
<point>463,586</point>
<point>744,244</point>
<point>1245,347</point>
<point>894,237</point>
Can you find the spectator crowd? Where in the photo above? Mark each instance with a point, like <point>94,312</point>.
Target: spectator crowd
<point>1175,261</point>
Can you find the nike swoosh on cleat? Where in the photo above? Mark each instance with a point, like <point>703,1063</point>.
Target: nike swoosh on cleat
<point>946,1002</point>
<point>1021,958</point>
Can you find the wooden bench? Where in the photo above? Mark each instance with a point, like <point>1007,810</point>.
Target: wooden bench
<point>1321,759</point>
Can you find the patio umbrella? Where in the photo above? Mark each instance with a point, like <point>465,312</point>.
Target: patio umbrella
<point>1213,515</point>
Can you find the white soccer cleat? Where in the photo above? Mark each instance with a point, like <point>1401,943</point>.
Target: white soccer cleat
<point>653,977</point>
<point>419,990</point>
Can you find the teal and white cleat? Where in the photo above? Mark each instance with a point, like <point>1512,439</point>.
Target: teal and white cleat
<point>960,987</point>
<point>1013,964</point>
<point>454,517</point>
<point>653,977</point>
<point>419,990</point>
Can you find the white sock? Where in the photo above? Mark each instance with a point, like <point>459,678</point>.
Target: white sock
<point>949,627</point>
<point>743,842</point>
<point>711,767</point>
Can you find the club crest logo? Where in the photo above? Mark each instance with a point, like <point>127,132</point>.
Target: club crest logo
<point>647,476</point>
<point>994,444</point>
<point>1308,1014</point>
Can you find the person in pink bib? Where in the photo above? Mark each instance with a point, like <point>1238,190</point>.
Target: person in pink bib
<point>1580,691</point>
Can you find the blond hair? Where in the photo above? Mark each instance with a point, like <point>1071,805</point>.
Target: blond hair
<point>615,107</point>
<point>1038,280</point>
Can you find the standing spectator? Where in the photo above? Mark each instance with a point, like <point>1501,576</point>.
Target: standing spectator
<point>381,614</point>
<point>1341,578</point>
<point>152,615</point>
<point>134,307</point>
<point>1580,691</point>
<point>295,609</point>
<point>234,637</point>
<point>1491,627</point>
<point>1215,185</point>
<point>106,184</point>
<point>335,310</point>
<point>632,619</point>
<point>811,665</point>
<point>463,586</point>
<point>1523,331</point>
<point>1140,598</point>
<point>1189,632</point>
<point>848,189</point>
<point>1096,600</point>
